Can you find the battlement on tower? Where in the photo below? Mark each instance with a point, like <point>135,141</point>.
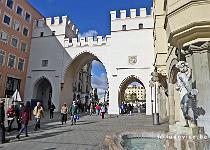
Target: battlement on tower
<point>132,14</point>
<point>58,25</point>
<point>88,41</point>
<point>142,21</point>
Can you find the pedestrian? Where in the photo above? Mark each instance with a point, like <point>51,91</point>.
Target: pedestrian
<point>64,111</point>
<point>103,110</point>
<point>2,118</point>
<point>122,108</point>
<point>10,116</point>
<point>91,109</point>
<point>98,108</point>
<point>38,114</point>
<point>52,108</point>
<point>74,110</point>
<point>130,109</point>
<point>24,118</point>
<point>17,115</point>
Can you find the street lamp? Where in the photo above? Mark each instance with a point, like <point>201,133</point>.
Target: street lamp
<point>154,80</point>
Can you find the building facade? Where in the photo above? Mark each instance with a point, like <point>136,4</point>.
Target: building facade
<point>184,26</point>
<point>139,91</point>
<point>124,55</point>
<point>16,24</point>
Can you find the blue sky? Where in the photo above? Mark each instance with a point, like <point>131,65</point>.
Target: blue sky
<point>88,14</point>
<point>92,18</point>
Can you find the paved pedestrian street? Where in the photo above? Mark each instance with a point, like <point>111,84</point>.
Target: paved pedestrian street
<point>88,134</point>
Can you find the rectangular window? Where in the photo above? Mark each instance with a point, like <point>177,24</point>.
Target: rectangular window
<point>53,33</point>
<point>44,63</point>
<point>28,17</point>
<point>4,36</point>
<point>141,26</point>
<point>11,61</point>
<point>19,10</point>
<point>23,47</point>
<point>21,63</point>
<point>10,3</point>
<point>14,42</point>
<point>7,20</point>
<point>25,31</point>
<point>41,34</point>
<point>16,25</point>
<point>123,27</point>
<point>2,54</point>
<point>11,86</point>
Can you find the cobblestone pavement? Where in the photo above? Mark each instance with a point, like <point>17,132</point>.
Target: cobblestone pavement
<point>88,134</point>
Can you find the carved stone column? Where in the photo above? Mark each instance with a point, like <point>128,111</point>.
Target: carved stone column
<point>198,57</point>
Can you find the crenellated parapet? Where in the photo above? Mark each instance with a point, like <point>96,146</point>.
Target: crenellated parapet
<point>87,41</point>
<point>133,21</point>
<point>58,25</point>
<point>132,14</point>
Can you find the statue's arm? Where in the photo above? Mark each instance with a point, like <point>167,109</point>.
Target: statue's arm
<point>178,83</point>
<point>189,74</point>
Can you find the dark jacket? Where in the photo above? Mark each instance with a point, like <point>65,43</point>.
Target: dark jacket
<point>2,113</point>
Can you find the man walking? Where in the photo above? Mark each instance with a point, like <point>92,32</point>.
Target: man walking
<point>2,118</point>
<point>74,110</point>
<point>52,108</point>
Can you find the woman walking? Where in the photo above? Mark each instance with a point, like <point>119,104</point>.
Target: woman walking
<point>64,111</point>
<point>23,119</point>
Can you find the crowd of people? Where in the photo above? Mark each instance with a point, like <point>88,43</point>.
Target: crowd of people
<point>21,113</point>
<point>128,108</point>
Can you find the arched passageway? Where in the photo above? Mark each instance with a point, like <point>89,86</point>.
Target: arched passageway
<point>77,79</point>
<point>43,92</point>
<point>123,88</point>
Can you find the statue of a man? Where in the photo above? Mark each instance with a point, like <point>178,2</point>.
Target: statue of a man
<point>184,86</point>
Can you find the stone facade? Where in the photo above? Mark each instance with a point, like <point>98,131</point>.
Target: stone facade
<point>185,38</point>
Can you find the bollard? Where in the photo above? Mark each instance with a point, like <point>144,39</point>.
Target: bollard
<point>156,119</point>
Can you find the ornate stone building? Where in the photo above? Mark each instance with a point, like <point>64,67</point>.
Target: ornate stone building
<point>181,32</point>
<point>58,57</point>
<point>139,91</point>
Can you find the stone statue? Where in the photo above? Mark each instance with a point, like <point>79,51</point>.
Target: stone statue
<point>187,94</point>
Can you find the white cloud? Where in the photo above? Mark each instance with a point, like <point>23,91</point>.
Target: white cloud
<point>100,83</point>
<point>88,33</point>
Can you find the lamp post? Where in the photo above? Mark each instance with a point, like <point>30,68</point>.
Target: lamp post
<point>155,114</point>
<point>151,85</point>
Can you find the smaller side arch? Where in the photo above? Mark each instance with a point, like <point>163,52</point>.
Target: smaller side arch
<point>128,80</point>
<point>42,91</point>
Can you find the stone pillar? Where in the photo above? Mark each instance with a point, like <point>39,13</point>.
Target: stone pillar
<point>162,103</point>
<point>171,103</point>
<point>199,60</point>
